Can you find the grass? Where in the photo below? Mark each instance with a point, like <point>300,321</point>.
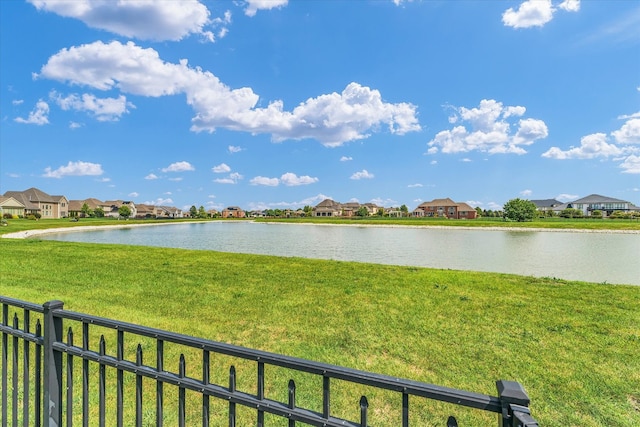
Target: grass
<point>574,346</point>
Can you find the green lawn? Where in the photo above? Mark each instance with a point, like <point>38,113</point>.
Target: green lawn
<point>574,346</point>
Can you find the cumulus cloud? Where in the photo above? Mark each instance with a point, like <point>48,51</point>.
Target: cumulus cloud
<point>233,178</point>
<point>415,186</point>
<point>345,158</point>
<point>629,133</point>
<point>134,194</point>
<point>631,164</point>
<point>526,193</point>
<point>234,149</point>
<point>263,180</point>
<point>104,109</point>
<point>221,168</point>
<point>179,167</point>
<point>591,146</point>
<point>536,13</point>
<point>254,5</point>
<point>289,179</point>
<point>625,144</point>
<point>332,119</point>
<point>363,174</point>
<point>38,116</point>
<point>487,128</point>
<point>74,169</point>
<point>159,202</point>
<point>148,20</point>
<point>151,176</point>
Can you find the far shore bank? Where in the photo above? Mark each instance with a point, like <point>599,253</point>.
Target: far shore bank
<point>25,234</point>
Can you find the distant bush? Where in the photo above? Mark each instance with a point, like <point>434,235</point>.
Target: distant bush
<point>7,216</point>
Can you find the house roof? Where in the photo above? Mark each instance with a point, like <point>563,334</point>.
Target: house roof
<point>328,203</point>
<point>10,202</point>
<point>439,202</point>
<point>76,205</point>
<point>463,207</point>
<point>31,198</point>
<point>596,198</point>
<point>546,203</point>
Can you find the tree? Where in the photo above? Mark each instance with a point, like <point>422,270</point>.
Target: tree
<point>362,211</point>
<point>124,211</point>
<point>201,212</point>
<point>99,212</point>
<point>519,210</point>
<point>308,210</point>
<point>404,209</point>
<point>479,211</point>
<point>193,212</point>
<point>86,210</point>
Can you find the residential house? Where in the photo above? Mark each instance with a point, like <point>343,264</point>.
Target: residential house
<point>233,212</point>
<point>168,212</point>
<point>114,208</point>
<point>36,201</point>
<point>596,202</point>
<point>546,205</point>
<point>75,207</point>
<point>445,208</point>
<point>327,207</point>
<point>10,206</point>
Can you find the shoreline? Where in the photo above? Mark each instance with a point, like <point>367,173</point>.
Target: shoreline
<point>25,234</point>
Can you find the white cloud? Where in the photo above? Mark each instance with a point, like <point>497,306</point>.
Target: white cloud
<point>570,5</point>
<point>536,13</point>
<point>104,109</point>
<point>177,179</point>
<point>38,116</point>
<point>263,180</point>
<point>234,149</point>
<point>631,164</point>
<point>74,169</point>
<point>159,202</point>
<point>134,194</point>
<point>564,198</point>
<point>254,5</point>
<point>629,133</point>
<point>363,174</point>
<point>147,20</point>
<point>414,185</point>
<point>151,176</point>
<point>291,179</point>
<point>345,158</point>
<point>526,193</point>
<point>179,167</point>
<point>591,146</point>
<point>221,168</point>
<point>332,119</point>
<point>489,130</point>
<point>75,125</point>
<point>233,178</point>
<point>17,102</point>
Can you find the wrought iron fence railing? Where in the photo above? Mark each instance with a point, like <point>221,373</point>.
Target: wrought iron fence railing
<point>40,376</point>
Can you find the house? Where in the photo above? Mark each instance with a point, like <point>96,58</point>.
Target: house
<point>10,206</point>
<point>168,212</point>
<point>114,206</point>
<point>327,207</point>
<point>445,208</point>
<point>546,205</point>
<point>233,212</point>
<point>75,207</point>
<point>37,202</point>
<point>596,202</point>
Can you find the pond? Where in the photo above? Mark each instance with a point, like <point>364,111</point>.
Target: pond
<point>585,256</point>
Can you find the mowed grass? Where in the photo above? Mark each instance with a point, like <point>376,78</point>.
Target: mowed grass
<point>574,346</point>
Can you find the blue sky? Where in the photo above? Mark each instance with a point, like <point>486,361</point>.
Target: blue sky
<point>281,104</point>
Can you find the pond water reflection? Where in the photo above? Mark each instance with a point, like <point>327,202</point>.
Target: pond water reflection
<point>592,257</point>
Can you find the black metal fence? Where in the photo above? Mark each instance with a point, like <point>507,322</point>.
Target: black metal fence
<point>41,376</point>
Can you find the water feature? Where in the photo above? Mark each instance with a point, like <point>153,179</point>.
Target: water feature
<point>592,257</point>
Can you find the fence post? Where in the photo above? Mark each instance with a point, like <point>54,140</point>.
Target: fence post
<point>515,402</point>
<point>52,365</point>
